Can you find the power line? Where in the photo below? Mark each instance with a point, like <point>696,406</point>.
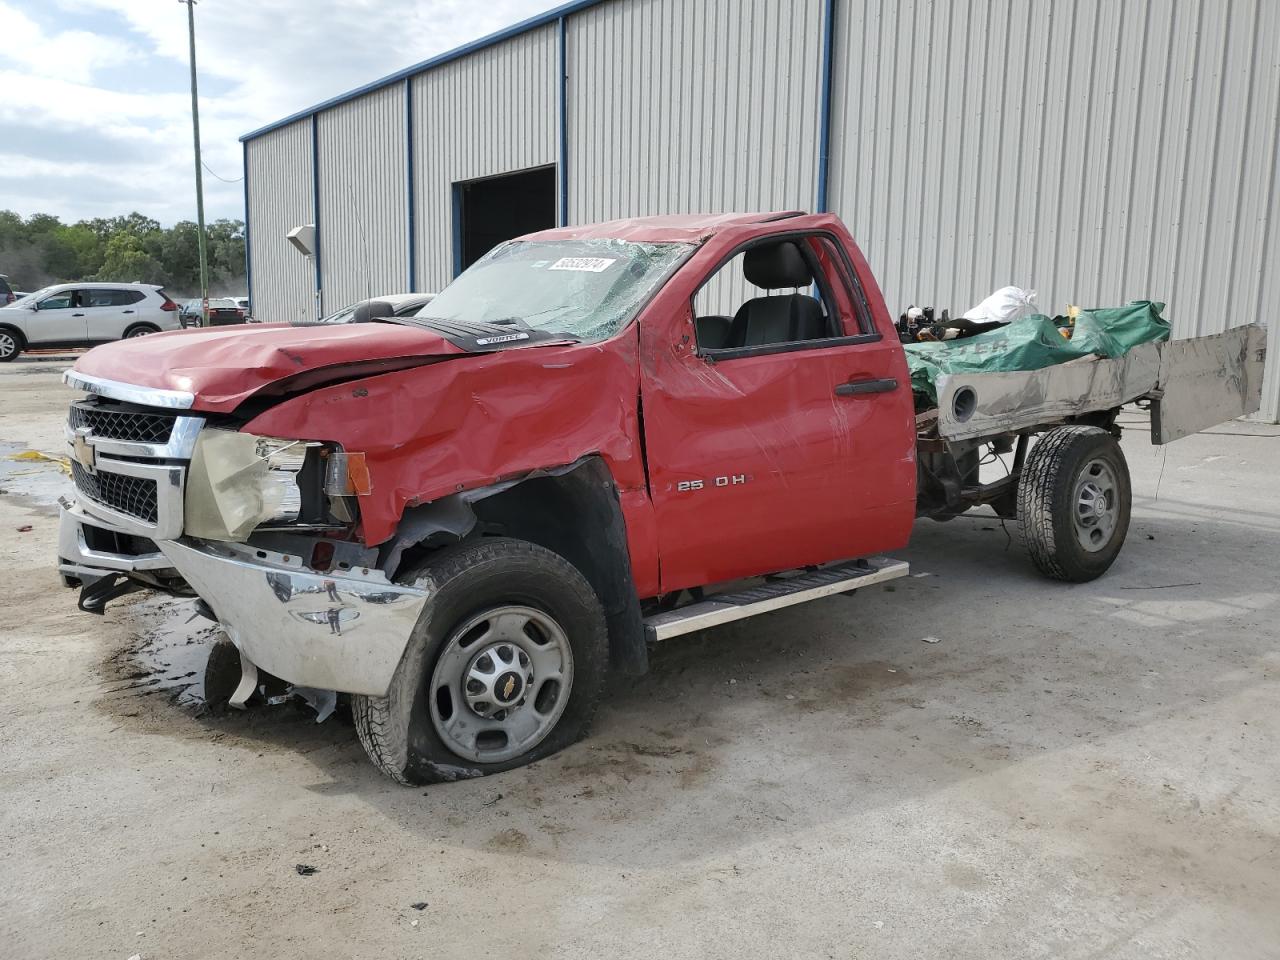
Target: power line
<point>209,170</point>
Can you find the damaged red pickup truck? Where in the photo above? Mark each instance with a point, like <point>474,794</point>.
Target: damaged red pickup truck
<point>584,445</point>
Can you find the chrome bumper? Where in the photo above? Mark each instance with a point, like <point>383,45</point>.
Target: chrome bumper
<point>77,559</point>
<point>344,632</point>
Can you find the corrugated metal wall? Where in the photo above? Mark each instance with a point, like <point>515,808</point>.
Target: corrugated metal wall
<point>364,198</point>
<point>683,106</point>
<point>492,112</point>
<point>1096,151</point>
<point>278,165</point>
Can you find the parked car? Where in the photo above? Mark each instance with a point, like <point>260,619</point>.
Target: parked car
<point>83,314</point>
<point>465,519</point>
<point>7,295</point>
<point>189,312</point>
<point>243,304</point>
<point>401,304</point>
<point>223,311</point>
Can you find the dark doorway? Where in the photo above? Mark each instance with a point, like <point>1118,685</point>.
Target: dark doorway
<point>489,211</point>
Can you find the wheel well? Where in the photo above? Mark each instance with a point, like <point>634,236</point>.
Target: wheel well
<point>141,326</point>
<point>573,511</point>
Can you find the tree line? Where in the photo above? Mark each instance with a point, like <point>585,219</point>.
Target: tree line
<point>41,249</point>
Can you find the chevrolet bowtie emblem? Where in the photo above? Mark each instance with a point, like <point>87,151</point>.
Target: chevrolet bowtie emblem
<point>508,687</point>
<point>82,449</point>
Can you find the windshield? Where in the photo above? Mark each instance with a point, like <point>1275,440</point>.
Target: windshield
<point>584,289</point>
<point>342,316</point>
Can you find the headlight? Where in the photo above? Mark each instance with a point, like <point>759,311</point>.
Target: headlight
<point>238,482</point>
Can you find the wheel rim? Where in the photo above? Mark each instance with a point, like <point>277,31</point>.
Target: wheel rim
<point>8,345</point>
<point>501,683</point>
<point>137,333</point>
<point>1095,505</point>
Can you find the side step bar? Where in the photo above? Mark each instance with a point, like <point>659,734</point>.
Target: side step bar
<point>773,595</point>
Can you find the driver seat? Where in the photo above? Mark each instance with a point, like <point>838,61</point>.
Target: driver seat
<point>782,318</point>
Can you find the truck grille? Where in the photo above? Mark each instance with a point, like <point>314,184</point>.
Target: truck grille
<point>133,496</point>
<point>122,424</point>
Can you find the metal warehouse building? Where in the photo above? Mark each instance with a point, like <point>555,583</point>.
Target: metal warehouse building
<point>1096,151</point>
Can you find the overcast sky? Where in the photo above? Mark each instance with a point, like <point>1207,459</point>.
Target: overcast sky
<point>95,107</point>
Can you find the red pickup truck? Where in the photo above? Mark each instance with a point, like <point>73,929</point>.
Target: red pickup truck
<point>596,438</point>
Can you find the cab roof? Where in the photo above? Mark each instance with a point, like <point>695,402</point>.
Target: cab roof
<point>686,228</point>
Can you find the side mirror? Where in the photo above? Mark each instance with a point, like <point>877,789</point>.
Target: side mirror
<point>372,310</point>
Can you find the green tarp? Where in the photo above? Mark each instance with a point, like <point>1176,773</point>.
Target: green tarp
<point>1031,343</point>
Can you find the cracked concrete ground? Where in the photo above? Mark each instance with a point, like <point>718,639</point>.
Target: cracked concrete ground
<point>1071,771</point>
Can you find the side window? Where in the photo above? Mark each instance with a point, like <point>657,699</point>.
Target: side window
<point>766,296</point>
<point>57,301</point>
<point>854,316</point>
<point>110,298</point>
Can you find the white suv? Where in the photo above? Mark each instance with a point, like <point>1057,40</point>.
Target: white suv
<point>82,314</point>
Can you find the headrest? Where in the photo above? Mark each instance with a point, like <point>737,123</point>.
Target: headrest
<point>776,265</point>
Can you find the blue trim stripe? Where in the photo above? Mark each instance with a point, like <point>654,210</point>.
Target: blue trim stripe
<point>563,171</point>
<point>248,258</point>
<point>457,53</point>
<point>408,139</point>
<point>457,229</point>
<point>824,134</point>
<point>315,210</point>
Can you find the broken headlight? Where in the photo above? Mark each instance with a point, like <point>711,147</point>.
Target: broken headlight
<point>238,483</point>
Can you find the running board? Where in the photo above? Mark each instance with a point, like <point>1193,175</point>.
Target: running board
<point>773,595</point>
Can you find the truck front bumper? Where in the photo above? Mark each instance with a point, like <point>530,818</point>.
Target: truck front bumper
<point>343,631</point>
<point>90,548</point>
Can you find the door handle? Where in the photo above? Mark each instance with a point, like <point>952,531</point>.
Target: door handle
<point>126,311</point>
<point>859,387</point>
<point>77,314</point>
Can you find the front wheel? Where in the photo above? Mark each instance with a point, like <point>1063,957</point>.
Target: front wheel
<point>1074,501</point>
<point>10,345</point>
<point>505,666</point>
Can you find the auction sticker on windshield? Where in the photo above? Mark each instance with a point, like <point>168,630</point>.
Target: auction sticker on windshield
<point>584,264</point>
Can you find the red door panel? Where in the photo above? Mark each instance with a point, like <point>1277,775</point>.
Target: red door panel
<point>757,465</point>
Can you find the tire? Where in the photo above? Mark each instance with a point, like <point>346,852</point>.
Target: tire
<point>140,330</point>
<point>407,733</point>
<point>11,344</point>
<point>1074,501</point>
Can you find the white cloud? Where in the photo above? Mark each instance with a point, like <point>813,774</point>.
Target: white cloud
<point>259,60</point>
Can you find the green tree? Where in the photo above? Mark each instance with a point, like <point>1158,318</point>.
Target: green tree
<point>126,260</point>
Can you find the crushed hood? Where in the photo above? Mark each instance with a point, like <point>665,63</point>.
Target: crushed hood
<point>224,366</point>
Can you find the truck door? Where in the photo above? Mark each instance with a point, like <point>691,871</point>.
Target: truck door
<point>778,419</point>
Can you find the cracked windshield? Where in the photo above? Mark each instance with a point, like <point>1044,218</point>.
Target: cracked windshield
<point>584,289</point>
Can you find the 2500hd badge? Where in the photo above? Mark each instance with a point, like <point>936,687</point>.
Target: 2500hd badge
<point>732,480</point>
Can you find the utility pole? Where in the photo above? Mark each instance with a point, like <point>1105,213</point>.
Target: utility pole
<point>195,128</point>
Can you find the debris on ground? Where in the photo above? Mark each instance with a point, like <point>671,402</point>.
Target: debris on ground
<point>931,639</point>
<point>25,528</point>
<point>28,456</point>
<point>420,906</point>
<point>490,803</point>
<point>306,870</point>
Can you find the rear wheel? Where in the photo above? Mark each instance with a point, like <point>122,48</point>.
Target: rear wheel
<point>140,330</point>
<point>505,666</point>
<point>1074,501</point>
<point>10,344</point>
